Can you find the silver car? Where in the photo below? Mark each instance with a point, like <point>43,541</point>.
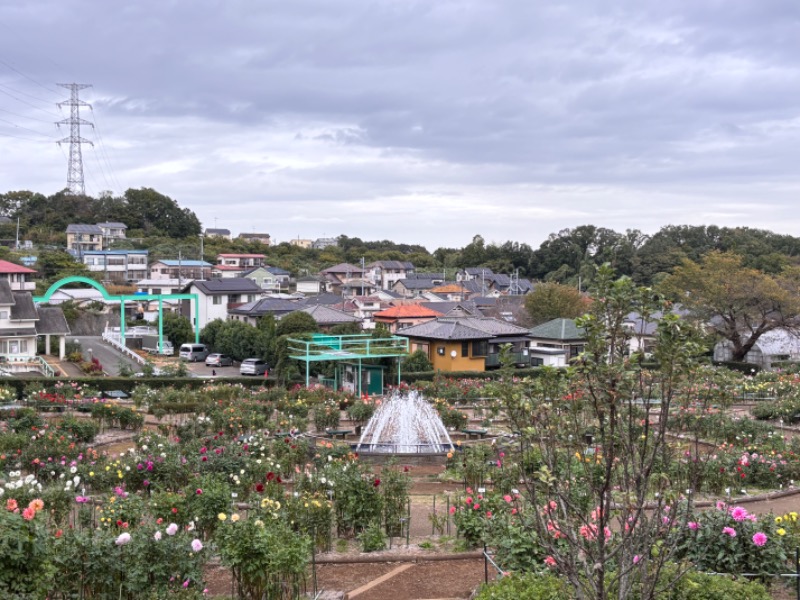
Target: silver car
<point>253,366</point>
<point>218,360</point>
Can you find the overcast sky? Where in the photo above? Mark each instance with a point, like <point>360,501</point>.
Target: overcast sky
<point>423,121</point>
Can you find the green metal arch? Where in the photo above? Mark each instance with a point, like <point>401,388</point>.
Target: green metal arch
<point>73,279</point>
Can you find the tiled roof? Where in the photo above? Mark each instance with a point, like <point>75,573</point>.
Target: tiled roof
<point>558,329</point>
<point>277,271</point>
<point>325,315</point>
<point>218,231</point>
<point>343,268</point>
<point>391,264</point>
<point>113,225</point>
<point>407,311</point>
<point>6,295</point>
<point>445,308</point>
<point>263,306</point>
<point>9,267</point>
<point>463,328</point>
<point>231,285</point>
<point>322,299</point>
<point>23,308</point>
<point>416,284</point>
<point>449,288</point>
<point>51,321</point>
<point>84,228</point>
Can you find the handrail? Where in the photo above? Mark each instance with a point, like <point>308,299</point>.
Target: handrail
<point>114,340</point>
<point>41,364</point>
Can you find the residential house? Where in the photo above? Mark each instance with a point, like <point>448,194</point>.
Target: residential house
<point>357,287</point>
<point>363,308</point>
<point>251,312</point>
<point>262,238</point>
<point>217,296</point>
<point>234,265</point>
<point>450,291</point>
<point>337,275</point>
<point>309,284</point>
<point>161,286</point>
<point>300,243</point>
<point>185,270</point>
<point>385,273</point>
<point>322,243</point>
<point>269,279</point>
<point>405,315</point>
<point>119,266</point>
<point>474,273</point>
<point>17,276</point>
<point>82,238</point>
<point>218,233</point>
<point>325,298</point>
<point>560,334</point>
<point>112,231</point>
<point>467,343</point>
<point>414,285</point>
<point>328,317</point>
<point>20,324</point>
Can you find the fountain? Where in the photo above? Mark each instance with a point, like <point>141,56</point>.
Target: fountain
<point>405,423</point>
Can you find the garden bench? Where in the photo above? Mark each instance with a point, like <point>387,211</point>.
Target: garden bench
<point>338,432</point>
<point>478,433</point>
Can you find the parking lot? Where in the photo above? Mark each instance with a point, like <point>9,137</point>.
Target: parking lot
<point>199,369</point>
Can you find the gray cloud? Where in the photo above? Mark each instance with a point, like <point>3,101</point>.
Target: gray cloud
<point>425,122</point>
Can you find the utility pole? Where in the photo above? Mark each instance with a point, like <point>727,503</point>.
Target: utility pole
<point>75,182</point>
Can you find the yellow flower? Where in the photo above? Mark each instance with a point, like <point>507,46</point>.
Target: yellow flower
<point>222,516</point>
<point>781,532</point>
<point>779,520</point>
<point>91,473</point>
<point>234,517</point>
<point>259,522</point>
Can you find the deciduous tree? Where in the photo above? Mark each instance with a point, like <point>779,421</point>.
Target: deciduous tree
<point>553,301</point>
<point>738,303</point>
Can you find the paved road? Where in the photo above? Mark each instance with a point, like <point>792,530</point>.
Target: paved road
<point>93,346</point>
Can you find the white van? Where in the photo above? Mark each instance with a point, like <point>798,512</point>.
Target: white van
<point>193,352</point>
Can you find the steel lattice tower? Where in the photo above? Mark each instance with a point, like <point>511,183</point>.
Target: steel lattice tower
<point>75,182</point>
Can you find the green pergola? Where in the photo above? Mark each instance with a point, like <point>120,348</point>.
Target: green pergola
<point>126,298</point>
<point>351,348</point>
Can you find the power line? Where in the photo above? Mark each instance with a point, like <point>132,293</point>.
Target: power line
<point>25,128</point>
<point>103,152</point>
<point>41,85</point>
<point>75,181</point>
<point>2,91</point>
<point>27,139</point>
<point>26,116</point>
<point>31,96</point>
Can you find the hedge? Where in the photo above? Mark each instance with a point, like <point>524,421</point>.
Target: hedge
<point>493,374</point>
<point>128,384</point>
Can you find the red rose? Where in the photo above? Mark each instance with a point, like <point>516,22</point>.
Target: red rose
<point>376,483</point>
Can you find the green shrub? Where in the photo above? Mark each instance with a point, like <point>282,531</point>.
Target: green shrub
<point>372,538</point>
<point>700,586</point>
<point>526,587</point>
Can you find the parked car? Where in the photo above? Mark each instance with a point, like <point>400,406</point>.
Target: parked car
<point>218,360</point>
<point>253,366</point>
<point>193,352</point>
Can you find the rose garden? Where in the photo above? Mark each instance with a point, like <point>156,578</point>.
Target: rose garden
<point>624,476</point>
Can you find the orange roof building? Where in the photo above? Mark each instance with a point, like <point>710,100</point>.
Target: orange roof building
<point>405,315</point>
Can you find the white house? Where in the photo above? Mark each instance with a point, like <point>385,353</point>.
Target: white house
<point>17,276</point>
<point>217,296</point>
<point>385,273</point>
<point>21,322</point>
<point>120,266</point>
